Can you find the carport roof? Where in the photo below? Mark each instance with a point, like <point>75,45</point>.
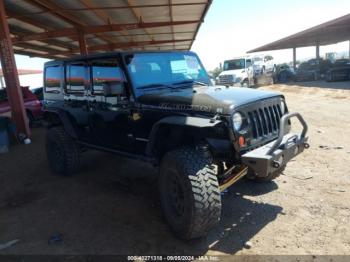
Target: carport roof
<point>331,32</point>
<point>24,72</point>
<point>51,29</point>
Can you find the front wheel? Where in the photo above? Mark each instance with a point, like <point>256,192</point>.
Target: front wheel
<point>62,152</point>
<point>189,193</point>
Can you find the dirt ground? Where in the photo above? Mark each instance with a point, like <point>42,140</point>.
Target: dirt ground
<point>112,207</point>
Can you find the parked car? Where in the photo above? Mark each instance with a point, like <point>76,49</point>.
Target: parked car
<point>264,64</point>
<point>284,73</point>
<point>160,107</point>
<point>237,71</point>
<point>31,103</point>
<point>312,70</point>
<point>340,71</point>
<point>38,92</point>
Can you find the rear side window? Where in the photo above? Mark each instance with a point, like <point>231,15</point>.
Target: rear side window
<point>104,71</point>
<point>53,79</point>
<point>76,78</point>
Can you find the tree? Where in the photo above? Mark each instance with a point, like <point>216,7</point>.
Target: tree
<point>216,72</point>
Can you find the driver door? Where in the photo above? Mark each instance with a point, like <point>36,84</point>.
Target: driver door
<point>108,118</point>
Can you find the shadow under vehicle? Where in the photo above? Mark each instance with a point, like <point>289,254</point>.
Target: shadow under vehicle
<point>340,71</point>
<point>160,107</point>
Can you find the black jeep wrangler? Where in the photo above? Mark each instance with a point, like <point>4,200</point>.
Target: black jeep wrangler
<point>161,107</point>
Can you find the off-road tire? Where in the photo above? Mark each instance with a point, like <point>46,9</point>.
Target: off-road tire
<point>62,152</point>
<point>251,176</point>
<point>200,208</point>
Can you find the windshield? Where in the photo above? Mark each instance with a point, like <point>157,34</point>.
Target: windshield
<point>165,70</point>
<point>234,64</point>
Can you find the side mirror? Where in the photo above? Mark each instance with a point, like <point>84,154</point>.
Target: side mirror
<point>113,88</point>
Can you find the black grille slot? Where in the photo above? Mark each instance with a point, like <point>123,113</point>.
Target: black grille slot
<point>253,124</point>
<point>277,116</point>
<point>258,121</point>
<point>265,121</point>
<point>274,118</point>
<point>268,117</point>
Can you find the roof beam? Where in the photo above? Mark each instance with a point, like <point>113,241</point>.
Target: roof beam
<point>121,45</point>
<point>103,16</point>
<point>41,49</point>
<point>31,54</point>
<point>91,8</point>
<point>170,2</point>
<point>44,27</point>
<point>138,16</point>
<point>63,15</point>
<point>47,43</point>
<point>69,32</point>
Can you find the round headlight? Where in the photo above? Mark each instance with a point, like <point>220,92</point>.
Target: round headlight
<point>283,107</point>
<point>237,121</point>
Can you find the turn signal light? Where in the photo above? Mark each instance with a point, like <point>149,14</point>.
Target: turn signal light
<point>241,141</point>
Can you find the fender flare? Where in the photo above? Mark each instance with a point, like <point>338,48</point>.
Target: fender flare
<point>188,121</point>
<point>65,120</point>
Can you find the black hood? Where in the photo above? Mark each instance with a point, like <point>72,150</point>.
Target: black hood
<point>211,99</point>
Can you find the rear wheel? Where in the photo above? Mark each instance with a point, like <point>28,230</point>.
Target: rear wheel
<point>189,193</point>
<point>62,152</point>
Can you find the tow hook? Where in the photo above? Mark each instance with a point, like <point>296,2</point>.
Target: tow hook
<point>306,145</point>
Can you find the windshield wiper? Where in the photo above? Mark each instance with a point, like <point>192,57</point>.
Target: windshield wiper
<point>190,82</point>
<point>157,86</point>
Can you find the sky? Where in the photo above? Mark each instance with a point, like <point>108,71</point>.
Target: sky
<point>232,27</point>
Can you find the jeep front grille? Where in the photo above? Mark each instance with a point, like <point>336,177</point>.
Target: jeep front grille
<point>265,121</point>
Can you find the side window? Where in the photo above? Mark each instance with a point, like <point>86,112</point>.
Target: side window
<point>248,63</point>
<point>76,78</point>
<point>104,71</point>
<point>52,80</point>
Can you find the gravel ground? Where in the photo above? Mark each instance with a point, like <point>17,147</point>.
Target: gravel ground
<point>112,207</point>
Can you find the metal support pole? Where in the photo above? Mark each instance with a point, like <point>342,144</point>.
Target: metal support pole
<point>8,63</point>
<point>318,52</point>
<point>294,58</point>
<point>82,45</point>
<point>349,49</point>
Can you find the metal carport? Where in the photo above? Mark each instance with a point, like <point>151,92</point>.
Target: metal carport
<point>58,29</point>
<point>331,32</point>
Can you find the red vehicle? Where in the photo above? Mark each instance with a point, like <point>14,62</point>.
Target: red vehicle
<point>31,103</point>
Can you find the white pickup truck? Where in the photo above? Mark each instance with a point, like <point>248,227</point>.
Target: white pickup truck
<point>237,71</point>
<point>263,64</point>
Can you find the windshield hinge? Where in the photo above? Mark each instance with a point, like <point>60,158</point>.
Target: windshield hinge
<point>216,117</point>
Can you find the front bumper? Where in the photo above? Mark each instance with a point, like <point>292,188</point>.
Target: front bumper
<point>274,156</point>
